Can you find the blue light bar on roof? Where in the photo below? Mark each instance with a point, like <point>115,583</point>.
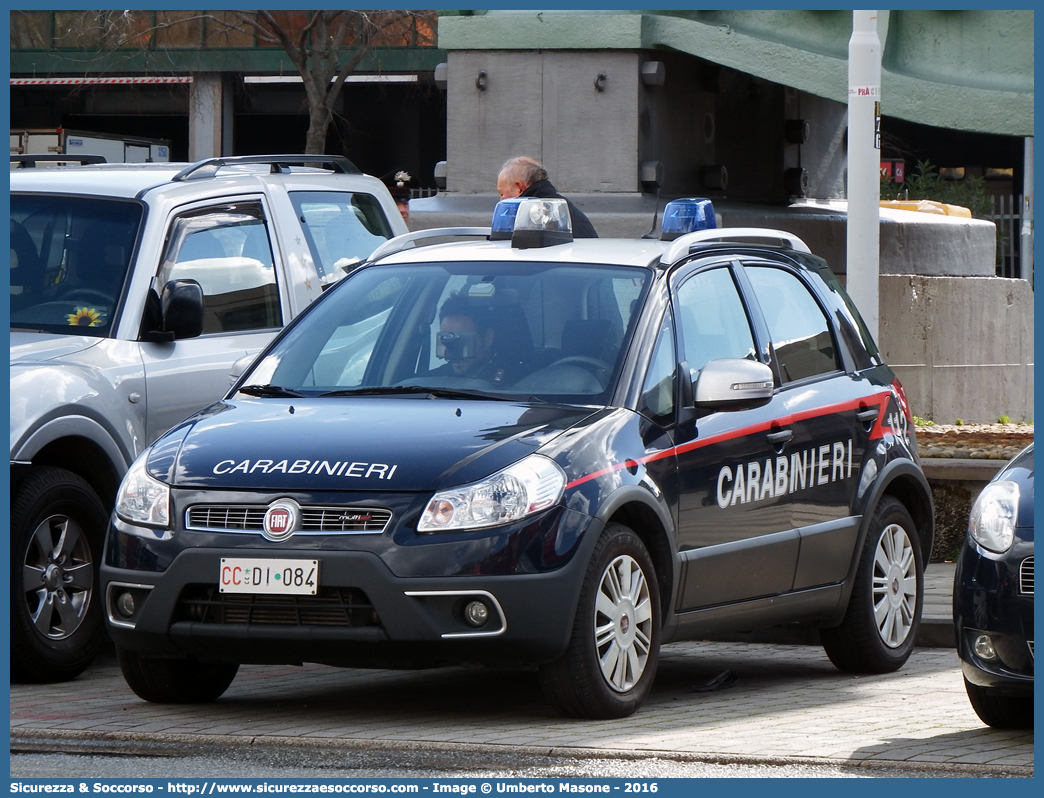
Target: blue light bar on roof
<point>504,219</point>
<point>683,216</point>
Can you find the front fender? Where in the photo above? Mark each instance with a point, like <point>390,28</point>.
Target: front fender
<point>52,402</point>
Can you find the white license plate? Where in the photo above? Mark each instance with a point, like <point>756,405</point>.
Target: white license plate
<point>256,575</point>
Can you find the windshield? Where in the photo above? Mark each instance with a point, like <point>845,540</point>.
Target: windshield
<point>342,228</point>
<point>69,260</point>
<point>551,331</point>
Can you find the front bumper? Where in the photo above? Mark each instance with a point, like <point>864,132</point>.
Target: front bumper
<point>990,599</point>
<point>365,615</point>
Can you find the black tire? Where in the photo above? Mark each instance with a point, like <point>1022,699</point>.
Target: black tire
<point>1000,711</point>
<point>57,526</point>
<point>591,679</point>
<point>880,626</point>
<point>175,681</point>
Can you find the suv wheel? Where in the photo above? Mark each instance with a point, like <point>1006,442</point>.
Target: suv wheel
<point>1000,711</point>
<point>610,664</point>
<point>884,611</point>
<point>57,526</point>
<point>175,681</point>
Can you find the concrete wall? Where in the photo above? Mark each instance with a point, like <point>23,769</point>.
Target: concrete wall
<point>961,346</point>
<point>545,105</point>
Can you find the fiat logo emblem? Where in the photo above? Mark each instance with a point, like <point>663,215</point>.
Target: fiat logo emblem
<point>280,519</point>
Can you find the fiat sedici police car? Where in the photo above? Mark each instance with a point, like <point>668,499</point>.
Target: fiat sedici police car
<point>530,451</point>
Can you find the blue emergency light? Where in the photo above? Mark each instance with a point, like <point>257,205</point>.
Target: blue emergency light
<point>683,216</point>
<point>504,219</point>
<point>532,222</point>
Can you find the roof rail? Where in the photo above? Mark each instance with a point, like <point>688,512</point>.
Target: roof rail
<point>400,243</point>
<point>277,163</point>
<point>688,243</point>
<point>29,161</point>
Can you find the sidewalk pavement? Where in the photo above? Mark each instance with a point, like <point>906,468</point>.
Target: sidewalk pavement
<point>788,705</point>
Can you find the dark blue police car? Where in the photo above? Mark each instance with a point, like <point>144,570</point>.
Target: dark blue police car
<point>993,598</point>
<point>533,451</point>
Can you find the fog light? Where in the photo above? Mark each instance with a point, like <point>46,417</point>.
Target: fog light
<point>984,647</point>
<point>476,613</point>
<point>125,604</point>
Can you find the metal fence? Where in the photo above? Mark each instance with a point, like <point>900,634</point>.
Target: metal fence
<point>1006,213</point>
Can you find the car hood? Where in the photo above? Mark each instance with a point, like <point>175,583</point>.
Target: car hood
<point>412,443</point>
<point>32,347</point>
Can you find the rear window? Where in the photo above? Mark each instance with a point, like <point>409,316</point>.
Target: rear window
<point>69,261</point>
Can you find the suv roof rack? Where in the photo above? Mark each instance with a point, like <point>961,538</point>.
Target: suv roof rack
<point>277,163</point>
<point>29,161</point>
<point>688,243</point>
<point>400,243</point>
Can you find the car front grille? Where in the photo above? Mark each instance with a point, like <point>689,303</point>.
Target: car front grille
<point>336,606</point>
<point>1026,576</point>
<point>314,520</point>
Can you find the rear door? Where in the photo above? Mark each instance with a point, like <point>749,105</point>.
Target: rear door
<point>831,412</point>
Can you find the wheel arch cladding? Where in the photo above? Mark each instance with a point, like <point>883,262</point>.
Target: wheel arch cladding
<point>645,523</point>
<point>919,504</point>
<point>86,459</point>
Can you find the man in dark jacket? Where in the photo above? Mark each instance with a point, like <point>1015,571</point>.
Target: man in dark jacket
<point>524,177</point>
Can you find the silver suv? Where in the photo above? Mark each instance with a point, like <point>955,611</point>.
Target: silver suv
<point>134,290</point>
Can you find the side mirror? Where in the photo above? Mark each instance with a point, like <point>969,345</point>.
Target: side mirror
<point>181,308</point>
<point>733,384</point>
<point>240,366</point>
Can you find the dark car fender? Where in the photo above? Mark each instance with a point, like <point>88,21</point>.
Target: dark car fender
<point>903,479</point>
<point>649,516</point>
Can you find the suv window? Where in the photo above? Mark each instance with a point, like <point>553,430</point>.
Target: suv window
<point>800,330</point>
<point>69,260</point>
<point>712,319</point>
<point>342,228</point>
<point>226,250</point>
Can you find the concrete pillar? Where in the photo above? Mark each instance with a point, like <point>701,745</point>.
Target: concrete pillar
<point>210,117</point>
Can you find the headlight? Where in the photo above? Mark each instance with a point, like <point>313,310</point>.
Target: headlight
<point>994,516</point>
<point>142,499</point>
<point>530,485</point>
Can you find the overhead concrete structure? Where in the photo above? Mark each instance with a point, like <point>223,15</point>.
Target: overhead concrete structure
<point>965,70</point>
<point>749,108</point>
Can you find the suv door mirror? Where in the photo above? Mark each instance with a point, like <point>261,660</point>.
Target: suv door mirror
<point>181,306</point>
<point>733,384</point>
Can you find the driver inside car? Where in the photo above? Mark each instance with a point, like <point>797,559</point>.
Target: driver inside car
<point>465,341</point>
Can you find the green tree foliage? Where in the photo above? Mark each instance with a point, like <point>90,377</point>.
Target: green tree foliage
<point>927,184</point>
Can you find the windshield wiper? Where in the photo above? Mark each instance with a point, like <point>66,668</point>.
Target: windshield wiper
<point>270,391</point>
<point>391,390</point>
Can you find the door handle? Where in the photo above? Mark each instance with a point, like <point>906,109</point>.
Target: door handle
<point>780,436</point>
<point>865,416</point>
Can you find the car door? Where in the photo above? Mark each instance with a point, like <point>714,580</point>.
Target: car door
<point>228,250</point>
<point>735,527</point>
<point>831,415</point>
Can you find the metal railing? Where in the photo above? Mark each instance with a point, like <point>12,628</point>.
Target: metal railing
<point>1006,213</point>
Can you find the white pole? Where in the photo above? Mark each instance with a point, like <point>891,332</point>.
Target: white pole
<point>864,166</point>
<point>1026,253</point>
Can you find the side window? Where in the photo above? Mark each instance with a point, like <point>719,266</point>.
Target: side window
<point>800,331</point>
<point>342,228</point>
<point>712,320</point>
<point>227,251</point>
<point>657,399</point>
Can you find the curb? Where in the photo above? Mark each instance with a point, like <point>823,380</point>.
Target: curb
<point>172,745</point>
